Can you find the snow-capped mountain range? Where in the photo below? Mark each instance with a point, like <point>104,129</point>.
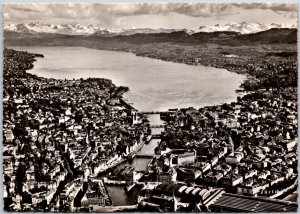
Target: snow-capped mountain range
<point>78,29</point>
<point>243,27</point>
<point>72,28</point>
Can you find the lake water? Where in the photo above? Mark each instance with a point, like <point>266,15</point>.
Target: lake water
<point>154,84</point>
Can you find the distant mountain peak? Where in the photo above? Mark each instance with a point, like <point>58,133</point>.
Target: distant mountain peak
<point>75,28</point>
<point>38,27</point>
<point>243,27</point>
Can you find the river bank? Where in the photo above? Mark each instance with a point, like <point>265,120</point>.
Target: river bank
<point>111,145</point>
<point>117,190</point>
<point>48,100</point>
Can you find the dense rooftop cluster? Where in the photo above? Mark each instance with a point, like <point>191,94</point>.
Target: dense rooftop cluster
<point>248,146</point>
<point>60,135</point>
<point>59,131</point>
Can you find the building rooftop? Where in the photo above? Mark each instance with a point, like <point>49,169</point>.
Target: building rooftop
<point>231,202</point>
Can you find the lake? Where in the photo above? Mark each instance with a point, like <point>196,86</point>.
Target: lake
<point>154,84</point>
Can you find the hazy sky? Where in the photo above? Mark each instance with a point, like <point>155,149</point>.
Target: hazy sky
<point>151,15</point>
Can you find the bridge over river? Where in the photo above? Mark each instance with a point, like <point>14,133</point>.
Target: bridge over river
<point>157,126</point>
<point>146,156</point>
<point>154,112</point>
<point>156,136</point>
<point>140,161</point>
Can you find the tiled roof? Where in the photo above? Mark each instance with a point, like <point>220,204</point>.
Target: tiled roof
<point>202,192</point>
<point>253,204</point>
<point>182,189</point>
<point>196,190</point>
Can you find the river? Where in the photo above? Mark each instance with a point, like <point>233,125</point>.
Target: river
<point>117,193</point>
<point>154,84</point>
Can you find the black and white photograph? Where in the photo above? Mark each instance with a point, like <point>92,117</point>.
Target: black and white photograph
<point>150,107</point>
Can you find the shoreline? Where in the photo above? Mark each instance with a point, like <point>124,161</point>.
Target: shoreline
<point>138,55</point>
<point>281,89</point>
<point>240,88</point>
<point>28,64</point>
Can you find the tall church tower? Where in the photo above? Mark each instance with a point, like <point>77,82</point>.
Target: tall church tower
<point>135,119</point>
